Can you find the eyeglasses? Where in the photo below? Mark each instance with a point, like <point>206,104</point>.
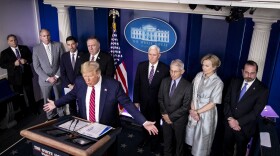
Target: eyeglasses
<point>174,71</point>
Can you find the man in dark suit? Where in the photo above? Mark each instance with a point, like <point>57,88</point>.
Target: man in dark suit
<point>175,95</point>
<point>68,74</point>
<point>46,63</point>
<point>243,103</point>
<point>98,98</point>
<point>102,94</point>
<point>17,59</point>
<point>105,60</point>
<point>146,86</point>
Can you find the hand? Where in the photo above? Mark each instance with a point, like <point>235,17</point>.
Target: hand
<point>52,80</point>
<point>238,128</point>
<point>166,118</point>
<point>194,115</point>
<point>49,106</point>
<point>233,123</point>
<point>23,61</point>
<point>151,128</point>
<point>17,63</point>
<point>70,86</point>
<point>137,105</point>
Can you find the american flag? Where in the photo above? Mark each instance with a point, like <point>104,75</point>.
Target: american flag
<point>115,51</point>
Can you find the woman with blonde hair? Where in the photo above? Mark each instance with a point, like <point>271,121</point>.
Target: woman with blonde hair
<point>203,117</point>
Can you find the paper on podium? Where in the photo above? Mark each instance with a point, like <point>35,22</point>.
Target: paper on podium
<point>73,125</point>
<point>265,139</point>
<point>94,130</point>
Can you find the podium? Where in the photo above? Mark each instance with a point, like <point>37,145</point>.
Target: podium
<point>61,145</point>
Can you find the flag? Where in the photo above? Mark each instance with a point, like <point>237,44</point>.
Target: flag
<point>120,74</point>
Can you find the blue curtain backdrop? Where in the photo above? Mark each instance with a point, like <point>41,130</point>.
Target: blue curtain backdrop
<point>197,36</point>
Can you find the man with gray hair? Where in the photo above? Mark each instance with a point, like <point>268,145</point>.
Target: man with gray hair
<point>147,81</point>
<point>174,97</point>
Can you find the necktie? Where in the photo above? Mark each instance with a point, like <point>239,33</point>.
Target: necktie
<point>18,57</point>
<point>49,53</point>
<point>92,106</point>
<point>243,90</point>
<point>151,74</point>
<point>92,58</point>
<point>73,61</point>
<point>173,87</point>
<point>17,54</point>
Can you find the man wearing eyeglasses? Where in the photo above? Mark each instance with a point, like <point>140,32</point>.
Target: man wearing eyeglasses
<point>243,104</point>
<point>175,95</point>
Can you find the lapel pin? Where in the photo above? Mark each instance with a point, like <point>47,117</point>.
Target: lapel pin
<point>105,89</point>
<point>157,71</point>
<point>98,57</point>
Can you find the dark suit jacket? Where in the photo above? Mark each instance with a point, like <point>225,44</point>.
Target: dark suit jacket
<point>147,94</point>
<point>178,105</point>
<point>68,75</point>
<point>106,63</point>
<point>111,94</point>
<point>7,61</point>
<point>248,109</point>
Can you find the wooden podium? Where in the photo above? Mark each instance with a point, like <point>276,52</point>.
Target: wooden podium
<point>44,144</point>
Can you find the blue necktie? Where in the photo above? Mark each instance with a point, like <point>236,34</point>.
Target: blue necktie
<point>243,91</point>
<point>173,87</point>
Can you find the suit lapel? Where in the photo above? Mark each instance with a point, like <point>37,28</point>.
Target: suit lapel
<point>146,73</point>
<point>12,54</point>
<point>157,72</point>
<point>238,90</point>
<point>103,95</point>
<point>251,90</point>
<point>83,102</point>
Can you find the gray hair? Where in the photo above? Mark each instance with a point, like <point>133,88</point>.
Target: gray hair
<point>178,63</point>
<point>154,47</point>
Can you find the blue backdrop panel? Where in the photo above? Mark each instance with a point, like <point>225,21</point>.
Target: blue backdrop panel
<point>49,19</point>
<point>85,26</point>
<point>193,45</point>
<point>213,39</point>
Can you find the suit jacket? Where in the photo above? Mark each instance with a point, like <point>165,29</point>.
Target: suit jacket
<point>106,63</point>
<point>68,74</point>
<point>176,106</point>
<point>7,61</point>
<point>145,93</point>
<point>247,110</point>
<point>111,94</point>
<point>41,62</point>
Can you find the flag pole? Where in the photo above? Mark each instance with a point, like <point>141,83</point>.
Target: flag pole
<point>114,13</point>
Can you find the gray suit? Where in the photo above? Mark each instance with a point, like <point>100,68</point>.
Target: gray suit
<point>176,107</point>
<point>44,70</point>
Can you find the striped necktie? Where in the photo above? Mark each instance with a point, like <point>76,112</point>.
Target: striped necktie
<point>92,106</point>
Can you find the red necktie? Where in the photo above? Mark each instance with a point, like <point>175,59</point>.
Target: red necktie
<point>92,106</point>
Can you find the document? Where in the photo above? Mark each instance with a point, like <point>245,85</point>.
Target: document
<point>73,125</point>
<point>265,139</point>
<point>94,130</point>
